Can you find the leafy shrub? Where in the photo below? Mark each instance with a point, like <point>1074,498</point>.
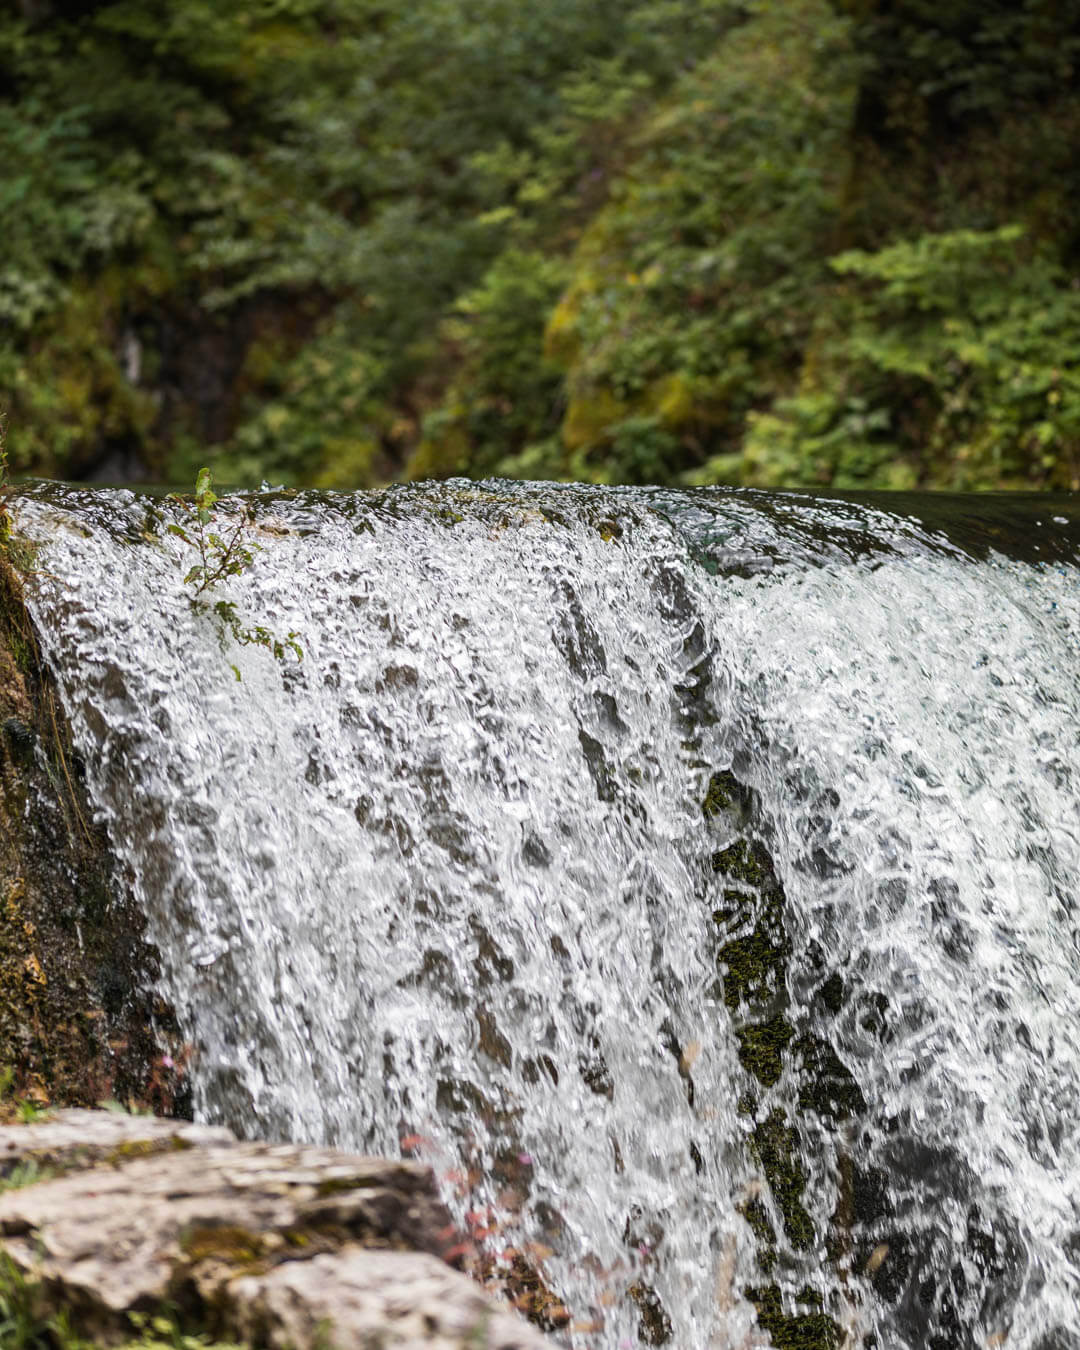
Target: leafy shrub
<point>956,368</point>
<point>692,291</point>
<point>229,553</point>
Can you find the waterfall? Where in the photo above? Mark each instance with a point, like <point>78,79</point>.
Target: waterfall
<point>690,878</point>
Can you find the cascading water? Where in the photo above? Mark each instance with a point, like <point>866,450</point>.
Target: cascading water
<point>449,880</point>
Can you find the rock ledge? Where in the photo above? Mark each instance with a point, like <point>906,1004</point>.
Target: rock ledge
<point>277,1245</point>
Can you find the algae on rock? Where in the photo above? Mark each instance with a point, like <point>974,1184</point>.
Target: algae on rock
<point>806,1121</point>
<point>754,952</point>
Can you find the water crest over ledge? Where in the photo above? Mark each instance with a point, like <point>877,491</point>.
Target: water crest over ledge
<point>447,885</point>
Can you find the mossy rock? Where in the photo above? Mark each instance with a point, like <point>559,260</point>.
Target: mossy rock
<point>654,1328</point>
<point>724,793</point>
<point>762,1046</point>
<point>827,1085</point>
<point>781,1046</point>
<point>753,961</point>
<point>775,1145</point>
<point>77,1025</point>
<point>813,1330</point>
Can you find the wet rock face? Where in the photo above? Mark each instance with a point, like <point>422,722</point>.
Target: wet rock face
<point>77,1021</point>
<point>907,1221</point>
<point>278,1245</point>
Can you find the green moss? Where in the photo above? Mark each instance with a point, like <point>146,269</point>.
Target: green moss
<point>16,632</point>
<point>232,1244</point>
<point>744,862</point>
<point>794,1331</point>
<point>762,1046</point>
<point>609,530</point>
<point>723,793</point>
<point>753,966</point>
<point>772,1034</point>
<point>757,1216</point>
<point>775,1145</point>
<point>146,1148</point>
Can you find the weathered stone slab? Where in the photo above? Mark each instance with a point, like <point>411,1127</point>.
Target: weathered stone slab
<point>76,1137</point>
<point>286,1244</point>
<point>396,1300</point>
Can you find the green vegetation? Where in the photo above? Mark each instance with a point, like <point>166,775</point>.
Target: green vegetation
<point>24,1174</point>
<point>219,557</point>
<point>18,1108</point>
<point>222,556</point>
<point>809,242</point>
<point>25,1324</point>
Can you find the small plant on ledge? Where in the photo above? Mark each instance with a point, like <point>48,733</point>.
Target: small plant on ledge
<point>225,551</point>
<point>220,556</point>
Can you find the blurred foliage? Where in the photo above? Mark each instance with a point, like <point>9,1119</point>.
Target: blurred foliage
<point>334,241</point>
<point>954,364</point>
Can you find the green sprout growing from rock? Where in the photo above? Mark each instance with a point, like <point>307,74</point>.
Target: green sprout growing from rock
<point>219,556</point>
<point>224,551</point>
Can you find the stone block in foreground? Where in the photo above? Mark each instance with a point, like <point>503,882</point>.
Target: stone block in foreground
<point>274,1244</point>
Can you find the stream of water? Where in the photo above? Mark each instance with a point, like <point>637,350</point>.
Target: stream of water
<point>447,886</point>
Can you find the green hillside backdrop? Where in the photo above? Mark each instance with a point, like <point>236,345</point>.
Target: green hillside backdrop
<point>782,242</point>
